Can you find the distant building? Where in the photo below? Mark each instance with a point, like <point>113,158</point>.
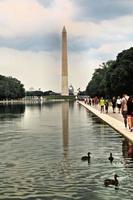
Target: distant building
<point>71,90</point>
<point>31,89</point>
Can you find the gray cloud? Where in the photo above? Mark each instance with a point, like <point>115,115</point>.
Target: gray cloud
<point>89,44</point>
<point>97,10</point>
<point>45,3</point>
<point>90,9</point>
<point>49,42</point>
<point>79,44</point>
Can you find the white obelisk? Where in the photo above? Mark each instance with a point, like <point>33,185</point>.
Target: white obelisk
<point>64,63</point>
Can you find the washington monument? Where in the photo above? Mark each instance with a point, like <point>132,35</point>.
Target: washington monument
<point>64,63</point>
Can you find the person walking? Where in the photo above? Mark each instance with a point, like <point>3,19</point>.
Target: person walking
<point>113,104</point>
<point>102,103</point>
<point>106,105</point>
<point>124,108</point>
<point>118,103</point>
<point>130,112</point>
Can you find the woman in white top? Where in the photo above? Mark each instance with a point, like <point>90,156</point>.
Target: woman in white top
<point>118,103</point>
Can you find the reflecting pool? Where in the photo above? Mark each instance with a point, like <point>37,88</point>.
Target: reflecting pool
<point>41,148</point>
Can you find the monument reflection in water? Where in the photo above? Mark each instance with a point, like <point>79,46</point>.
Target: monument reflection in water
<point>65,127</point>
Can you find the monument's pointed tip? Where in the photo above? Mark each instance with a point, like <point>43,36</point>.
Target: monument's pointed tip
<point>64,29</point>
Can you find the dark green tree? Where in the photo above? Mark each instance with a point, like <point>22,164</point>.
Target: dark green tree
<point>113,78</point>
<point>123,73</point>
<point>37,93</point>
<point>11,88</point>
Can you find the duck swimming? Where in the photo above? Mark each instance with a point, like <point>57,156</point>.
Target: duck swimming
<point>114,181</point>
<point>111,158</point>
<point>84,158</point>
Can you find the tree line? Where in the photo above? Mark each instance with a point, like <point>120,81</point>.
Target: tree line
<point>11,88</point>
<point>40,93</point>
<point>114,77</point>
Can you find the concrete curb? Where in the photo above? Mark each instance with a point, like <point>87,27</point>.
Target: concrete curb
<point>114,123</point>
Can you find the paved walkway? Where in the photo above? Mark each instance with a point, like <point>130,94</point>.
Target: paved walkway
<point>115,120</point>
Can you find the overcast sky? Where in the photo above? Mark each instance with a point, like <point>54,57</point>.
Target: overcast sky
<point>30,38</point>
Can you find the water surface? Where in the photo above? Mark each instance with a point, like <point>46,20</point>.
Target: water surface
<point>41,148</point>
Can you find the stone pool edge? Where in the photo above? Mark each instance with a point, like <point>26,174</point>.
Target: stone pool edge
<point>114,123</point>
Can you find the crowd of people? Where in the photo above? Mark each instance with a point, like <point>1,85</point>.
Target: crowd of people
<point>123,105</point>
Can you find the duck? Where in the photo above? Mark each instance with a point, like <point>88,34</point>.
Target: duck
<point>111,158</point>
<point>84,158</point>
<point>114,181</point>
